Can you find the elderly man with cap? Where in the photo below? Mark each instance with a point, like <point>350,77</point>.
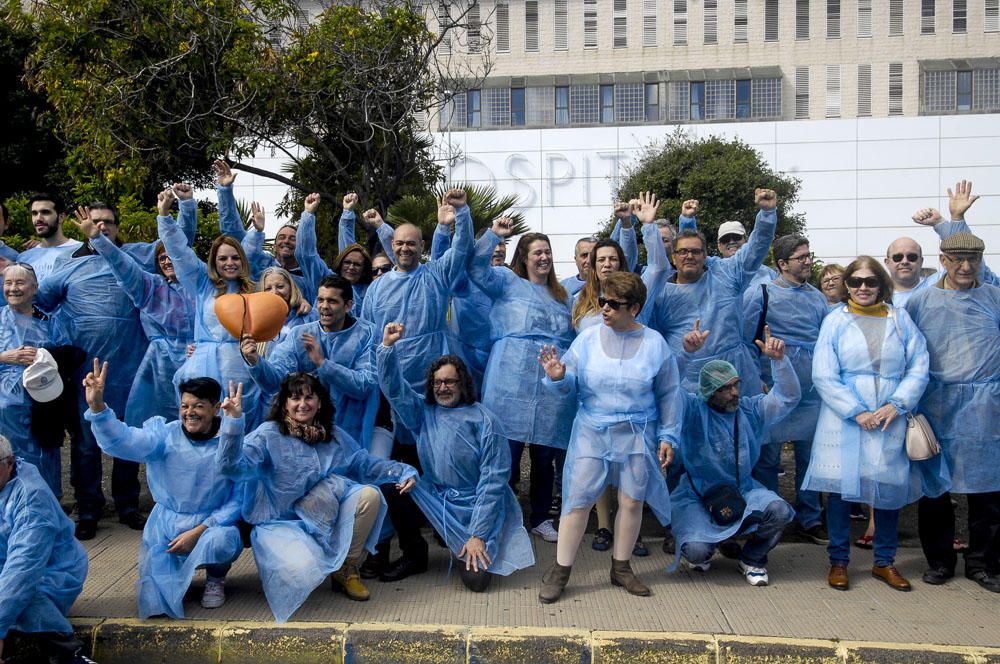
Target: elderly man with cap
<point>960,318</point>
<point>719,498</point>
<point>732,236</point>
<point>42,567</point>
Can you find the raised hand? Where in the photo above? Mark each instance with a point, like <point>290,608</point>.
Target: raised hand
<point>503,227</point>
<point>648,205</point>
<point>248,347</point>
<point>372,218</point>
<point>257,215</point>
<point>772,347</point>
<point>313,349</point>
<point>689,208</point>
<point>446,212</point>
<point>622,210</point>
<point>392,333</point>
<point>456,197</point>
<point>311,203</point>
<point>183,191</point>
<point>223,173</point>
<point>765,199</point>
<point>927,216</point>
<point>475,555</point>
<point>232,405</point>
<point>87,226</point>
<point>960,200</point>
<point>93,384</point>
<point>695,339</point>
<point>548,357</point>
<point>165,201</point>
<point>350,200</point>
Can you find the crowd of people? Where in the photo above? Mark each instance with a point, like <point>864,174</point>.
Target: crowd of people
<point>401,392</point>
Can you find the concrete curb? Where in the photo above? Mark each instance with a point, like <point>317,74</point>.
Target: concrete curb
<point>204,642</point>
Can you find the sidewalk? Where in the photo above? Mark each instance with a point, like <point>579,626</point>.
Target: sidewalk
<point>699,610</point>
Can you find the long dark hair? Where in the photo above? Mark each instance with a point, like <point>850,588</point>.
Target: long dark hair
<point>519,264</point>
<point>466,388</point>
<point>297,384</point>
<point>586,301</point>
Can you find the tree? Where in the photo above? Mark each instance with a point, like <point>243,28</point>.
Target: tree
<point>721,174</point>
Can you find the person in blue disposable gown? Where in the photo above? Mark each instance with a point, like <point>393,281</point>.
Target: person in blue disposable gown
<point>47,217</point>
<point>23,330</point>
<point>42,566</point>
<point>625,431</point>
<point>530,308</point>
<point>5,252</point>
<point>193,524</point>
<point>84,297</point>
<point>465,458</point>
<point>712,292</point>
<point>732,236</point>
<point>794,311</point>
<point>723,433</point>
<point>373,223</point>
<point>581,255</point>
<point>217,353</point>
<point>339,349</point>
<point>167,313</point>
<point>279,281</point>
<point>960,318</point>
<point>307,495</point>
<point>870,369</point>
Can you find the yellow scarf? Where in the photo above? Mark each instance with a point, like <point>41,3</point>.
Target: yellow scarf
<point>878,310</point>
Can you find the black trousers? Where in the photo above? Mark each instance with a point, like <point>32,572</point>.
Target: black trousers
<point>406,517</point>
<point>936,526</point>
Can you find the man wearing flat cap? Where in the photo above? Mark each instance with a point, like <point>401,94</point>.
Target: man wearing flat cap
<point>960,318</point>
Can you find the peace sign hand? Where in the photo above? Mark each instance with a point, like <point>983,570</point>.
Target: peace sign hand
<point>772,347</point>
<point>93,384</point>
<point>695,339</point>
<point>232,407</point>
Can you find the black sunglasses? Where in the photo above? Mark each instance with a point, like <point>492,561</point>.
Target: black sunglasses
<point>614,304</point>
<point>856,282</point>
<point>379,269</point>
<point>897,258</point>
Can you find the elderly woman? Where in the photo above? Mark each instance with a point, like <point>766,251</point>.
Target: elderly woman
<point>306,494</point>
<point>830,284</point>
<point>279,281</point>
<point>870,368</point>
<point>23,330</point>
<point>627,426</point>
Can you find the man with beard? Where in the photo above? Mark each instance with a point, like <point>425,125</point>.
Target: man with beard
<point>47,216</point>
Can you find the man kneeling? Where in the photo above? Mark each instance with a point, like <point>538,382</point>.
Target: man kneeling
<point>193,524</point>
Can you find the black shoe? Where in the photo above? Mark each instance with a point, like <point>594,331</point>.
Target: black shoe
<point>86,529</point>
<point>555,509</point>
<point>937,576</point>
<point>816,534</point>
<point>403,568</point>
<point>731,549</point>
<point>133,520</point>
<point>669,543</point>
<point>989,581</point>
<point>602,540</point>
<point>375,563</point>
<point>640,549</point>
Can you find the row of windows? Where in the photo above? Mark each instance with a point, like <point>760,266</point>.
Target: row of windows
<point>967,91</point>
<point>806,25</point>
<point>834,78</point>
<point>620,103</point>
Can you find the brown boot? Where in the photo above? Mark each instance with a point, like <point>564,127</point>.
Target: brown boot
<point>554,582</point>
<point>838,577</point>
<point>347,580</point>
<point>622,575</point>
<point>891,576</point>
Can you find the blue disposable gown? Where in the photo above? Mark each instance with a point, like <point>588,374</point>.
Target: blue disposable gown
<point>717,299</point>
<point>189,491</point>
<point>962,329</point>
<point>626,384</point>
<point>44,259</point>
<point>465,458</point>
<point>710,457</point>
<point>346,236</point>
<point>525,316</point>
<point>253,245</point>
<point>573,285</point>
<point>6,252</point>
<point>868,467</point>
<point>292,558</point>
<point>42,566</point>
<point>144,253</point>
<point>348,372</point>
<point>794,314</point>
<point>18,330</point>
<point>217,353</point>
<point>625,237</point>
<point>167,312</point>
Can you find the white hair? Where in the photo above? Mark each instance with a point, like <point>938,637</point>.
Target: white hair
<point>5,448</point>
<point>20,270</point>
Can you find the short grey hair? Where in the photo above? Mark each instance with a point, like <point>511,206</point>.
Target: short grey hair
<point>21,270</point>
<point>6,450</point>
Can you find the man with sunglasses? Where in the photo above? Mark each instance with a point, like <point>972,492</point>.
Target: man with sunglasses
<point>960,319</point>
<point>732,236</point>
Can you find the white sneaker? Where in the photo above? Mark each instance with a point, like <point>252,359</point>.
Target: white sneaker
<point>546,531</point>
<point>755,576</point>
<point>214,594</point>
<point>698,567</point>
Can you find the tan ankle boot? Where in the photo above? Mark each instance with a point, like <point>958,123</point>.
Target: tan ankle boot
<point>622,575</point>
<point>347,580</point>
<point>554,582</point>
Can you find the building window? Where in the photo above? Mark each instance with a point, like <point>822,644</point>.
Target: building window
<point>540,106</point>
<point>770,20</point>
<point>864,18</point>
<point>833,91</point>
<point>991,16</point>
<point>502,15</point>
<point>531,25</point>
<point>652,102</point>
<point>743,99</point>
<point>711,21</point>
<point>560,27</point>
<point>473,29</point>
<point>453,113</point>
<point>607,104</point>
<point>680,23</point>
<point>583,104</point>
<point>496,102</point>
<point>679,107</point>
<point>895,18</point>
<point>517,114</point>
<point>720,100</point>
<point>833,19</point>
<point>927,17</point>
<point>801,93</point>
<point>628,102</point>
<point>765,98</point>
<point>620,24</point>
<point>986,90</point>
<point>864,91</point>
<point>939,91</point>
<point>802,19</point>
<point>562,105</point>
<point>895,88</point>
<point>444,23</point>
<point>473,111</point>
<point>959,11</point>
<point>697,105</point>
<point>963,91</point>
<point>649,22</point>
<point>590,23</point>
<point>740,22</point>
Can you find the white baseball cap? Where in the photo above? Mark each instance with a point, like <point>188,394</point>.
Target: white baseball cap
<point>731,228</point>
<point>41,378</point>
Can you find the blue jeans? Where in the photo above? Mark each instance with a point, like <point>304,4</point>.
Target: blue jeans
<point>838,523</point>
<point>543,460</point>
<point>770,526</point>
<point>808,507</point>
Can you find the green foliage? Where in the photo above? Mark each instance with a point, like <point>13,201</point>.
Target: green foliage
<point>722,174</point>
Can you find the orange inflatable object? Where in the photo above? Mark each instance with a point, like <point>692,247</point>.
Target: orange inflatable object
<point>260,315</point>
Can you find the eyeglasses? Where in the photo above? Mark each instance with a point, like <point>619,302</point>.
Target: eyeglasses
<point>614,304</point>
<point>831,281</point>
<point>163,258</point>
<point>380,269</point>
<point>804,258</point>
<point>898,258</point>
<point>690,252</point>
<point>445,382</point>
<point>971,259</point>
<point>856,282</point>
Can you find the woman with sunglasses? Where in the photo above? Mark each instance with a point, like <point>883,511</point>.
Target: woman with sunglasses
<point>870,367</point>
<point>626,381</point>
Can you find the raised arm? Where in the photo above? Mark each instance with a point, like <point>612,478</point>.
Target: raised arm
<point>229,215</point>
<point>454,263</point>
<point>306,250</point>
<point>345,229</point>
<point>784,395</point>
<point>119,440</point>
<point>138,284</point>
<point>406,402</point>
<point>374,222</point>
<point>187,211</point>
<point>190,270</point>
<point>491,280</point>
<point>751,255</point>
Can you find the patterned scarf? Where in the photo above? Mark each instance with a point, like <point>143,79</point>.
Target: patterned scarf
<point>309,433</point>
